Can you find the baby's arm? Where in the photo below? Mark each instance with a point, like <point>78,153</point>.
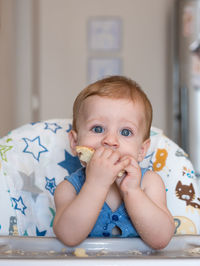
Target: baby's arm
<point>147,207</point>
<point>77,214</point>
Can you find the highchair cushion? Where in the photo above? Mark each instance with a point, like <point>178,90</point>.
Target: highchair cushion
<point>36,157</point>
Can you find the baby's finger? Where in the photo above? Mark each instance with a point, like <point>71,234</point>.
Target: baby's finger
<point>133,170</point>
<point>114,157</point>
<point>98,152</point>
<point>125,157</point>
<point>123,164</point>
<point>134,163</point>
<point>107,153</point>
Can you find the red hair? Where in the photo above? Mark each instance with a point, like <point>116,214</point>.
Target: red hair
<point>115,87</point>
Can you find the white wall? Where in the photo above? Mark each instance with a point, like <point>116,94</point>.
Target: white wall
<point>6,70</point>
<point>58,53</point>
<point>64,52</point>
<point>23,49</point>
<point>16,55</point>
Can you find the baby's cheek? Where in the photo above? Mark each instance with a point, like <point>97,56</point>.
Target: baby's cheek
<point>133,152</point>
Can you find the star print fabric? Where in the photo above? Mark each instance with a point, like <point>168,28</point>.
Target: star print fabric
<point>33,160</point>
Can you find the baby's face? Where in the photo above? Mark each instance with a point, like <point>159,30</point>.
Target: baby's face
<point>118,124</point>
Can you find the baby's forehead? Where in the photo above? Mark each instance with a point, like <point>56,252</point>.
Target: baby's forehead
<point>99,103</point>
<point>108,107</point>
<point>94,99</point>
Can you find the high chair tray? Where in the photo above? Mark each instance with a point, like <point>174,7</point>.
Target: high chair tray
<point>180,247</point>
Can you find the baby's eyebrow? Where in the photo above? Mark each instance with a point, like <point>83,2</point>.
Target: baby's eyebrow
<point>130,122</point>
<point>92,120</point>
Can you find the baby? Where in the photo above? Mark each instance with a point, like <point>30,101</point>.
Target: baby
<point>112,116</point>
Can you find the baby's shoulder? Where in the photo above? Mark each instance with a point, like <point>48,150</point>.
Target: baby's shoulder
<point>152,178</point>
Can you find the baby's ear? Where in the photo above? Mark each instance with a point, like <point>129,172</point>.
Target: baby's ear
<point>73,141</point>
<point>143,149</point>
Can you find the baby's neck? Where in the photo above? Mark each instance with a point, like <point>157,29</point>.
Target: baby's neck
<point>114,199</point>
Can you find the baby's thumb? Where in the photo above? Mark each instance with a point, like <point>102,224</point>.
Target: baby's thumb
<point>125,162</point>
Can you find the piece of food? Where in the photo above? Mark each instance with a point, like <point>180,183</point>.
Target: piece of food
<point>85,154</point>
<point>80,252</point>
<point>121,173</point>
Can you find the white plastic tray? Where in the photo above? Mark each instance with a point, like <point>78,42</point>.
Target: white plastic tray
<point>180,247</point>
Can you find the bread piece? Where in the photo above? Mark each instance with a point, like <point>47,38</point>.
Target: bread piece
<point>80,252</point>
<point>85,154</point>
<point>122,173</point>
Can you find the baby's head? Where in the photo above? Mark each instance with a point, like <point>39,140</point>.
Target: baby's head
<point>115,87</point>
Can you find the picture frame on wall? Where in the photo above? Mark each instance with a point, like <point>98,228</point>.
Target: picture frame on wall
<point>102,67</point>
<point>104,34</point>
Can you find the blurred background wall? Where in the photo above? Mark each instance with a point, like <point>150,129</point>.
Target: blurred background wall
<point>6,67</point>
<point>44,55</point>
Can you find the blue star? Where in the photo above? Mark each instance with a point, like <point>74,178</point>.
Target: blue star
<point>25,233</point>
<point>69,129</point>
<point>19,205</point>
<point>153,133</point>
<point>34,147</point>
<point>71,163</point>
<point>53,214</point>
<point>34,123</point>
<point>50,185</point>
<point>52,126</point>
<point>150,155</point>
<point>42,233</point>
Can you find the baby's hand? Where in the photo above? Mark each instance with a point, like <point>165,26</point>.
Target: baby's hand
<point>104,166</point>
<point>132,179</point>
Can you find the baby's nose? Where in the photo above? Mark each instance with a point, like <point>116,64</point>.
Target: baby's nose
<point>110,140</point>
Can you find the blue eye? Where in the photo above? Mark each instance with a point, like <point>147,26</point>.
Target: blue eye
<point>126,132</point>
<point>97,129</point>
